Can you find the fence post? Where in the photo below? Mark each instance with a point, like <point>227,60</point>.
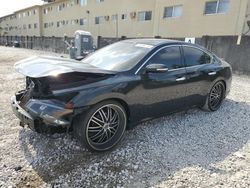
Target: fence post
<point>26,41</point>
<point>11,40</point>
<point>99,42</point>
<point>42,42</point>
<point>31,42</point>
<point>53,44</point>
<point>7,40</point>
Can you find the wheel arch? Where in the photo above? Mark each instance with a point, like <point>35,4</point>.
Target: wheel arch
<point>121,101</point>
<point>224,82</point>
<point>220,79</point>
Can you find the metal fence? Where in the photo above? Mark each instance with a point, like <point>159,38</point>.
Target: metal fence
<point>54,44</point>
<point>224,46</point>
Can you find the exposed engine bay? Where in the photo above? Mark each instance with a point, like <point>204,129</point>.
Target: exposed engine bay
<point>38,105</point>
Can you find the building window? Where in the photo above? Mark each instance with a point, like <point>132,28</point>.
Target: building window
<point>83,21</point>
<point>124,17</point>
<point>34,11</point>
<point>99,20</point>
<point>35,25</point>
<point>74,22</point>
<point>174,11</point>
<point>114,17</point>
<point>144,15</point>
<point>217,7</point>
<point>45,11</point>
<point>99,1</point>
<point>51,24</point>
<point>58,24</point>
<point>83,2</point>
<point>29,26</point>
<point>24,14</point>
<point>45,25</point>
<point>60,7</point>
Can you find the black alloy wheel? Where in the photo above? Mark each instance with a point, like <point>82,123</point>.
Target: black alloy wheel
<point>103,124</point>
<point>102,127</point>
<point>216,96</point>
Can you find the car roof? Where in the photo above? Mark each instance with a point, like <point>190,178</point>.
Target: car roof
<point>155,42</point>
<point>158,42</point>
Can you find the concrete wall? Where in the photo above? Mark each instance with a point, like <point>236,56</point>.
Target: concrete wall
<point>192,22</point>
<point>246,29</point>
<point>226,47</point>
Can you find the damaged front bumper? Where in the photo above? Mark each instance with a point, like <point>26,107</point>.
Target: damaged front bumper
<point>41,114</point>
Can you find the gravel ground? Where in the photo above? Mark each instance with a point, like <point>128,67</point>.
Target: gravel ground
<point>188,149</point>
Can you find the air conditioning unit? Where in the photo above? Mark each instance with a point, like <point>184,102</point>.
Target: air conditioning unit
<point>106,18</point>
<point>132,15</point>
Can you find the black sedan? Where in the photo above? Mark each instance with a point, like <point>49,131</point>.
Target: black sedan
<point>117,87</point>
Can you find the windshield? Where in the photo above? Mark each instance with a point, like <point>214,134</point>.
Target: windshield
<point>120,56</point>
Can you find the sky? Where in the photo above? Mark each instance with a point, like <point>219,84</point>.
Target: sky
<point>10,6</point>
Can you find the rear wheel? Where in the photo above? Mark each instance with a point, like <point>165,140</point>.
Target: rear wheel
<point>215,97</point>
<point>102,127</point>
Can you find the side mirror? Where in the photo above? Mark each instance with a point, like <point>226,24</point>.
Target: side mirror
<point>156,68</point>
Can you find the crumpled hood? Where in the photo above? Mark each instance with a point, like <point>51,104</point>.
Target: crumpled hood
<point>42,66</point>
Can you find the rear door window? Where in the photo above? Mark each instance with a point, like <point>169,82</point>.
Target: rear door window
<point>194,56</point>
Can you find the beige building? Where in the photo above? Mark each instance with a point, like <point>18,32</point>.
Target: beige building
<point>25,22</point>
<point>131,18</point>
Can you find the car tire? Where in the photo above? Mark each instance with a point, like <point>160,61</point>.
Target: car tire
<point>102,126</point>
<point>215,97</point>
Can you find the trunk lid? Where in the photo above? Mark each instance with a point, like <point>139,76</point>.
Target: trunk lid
<point>43,66</point>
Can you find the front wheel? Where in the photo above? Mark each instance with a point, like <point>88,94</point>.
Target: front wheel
<point>102,127</point>
<point>215,97</point>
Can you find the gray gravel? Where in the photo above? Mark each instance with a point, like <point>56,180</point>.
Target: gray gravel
<point>188,149</point>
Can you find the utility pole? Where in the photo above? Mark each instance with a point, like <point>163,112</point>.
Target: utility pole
<point>88,12</point>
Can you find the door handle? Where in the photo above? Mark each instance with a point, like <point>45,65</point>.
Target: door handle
<point>212,73</point>
<point>180,79</point>
<point>162,69</point>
